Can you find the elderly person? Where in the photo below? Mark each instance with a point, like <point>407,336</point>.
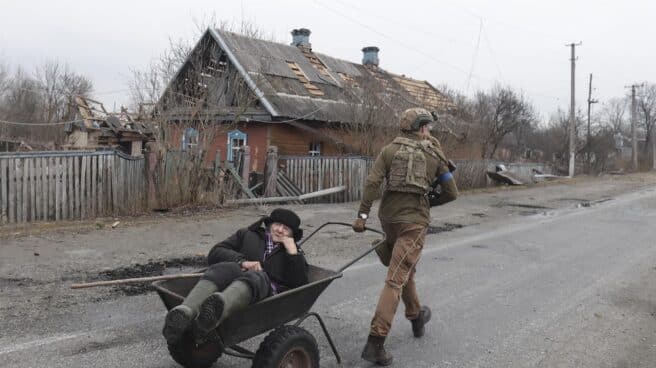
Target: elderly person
<point>252,264</point>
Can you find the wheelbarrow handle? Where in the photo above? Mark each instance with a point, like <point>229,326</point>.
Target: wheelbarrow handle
<point>306,238</point>
<point>362,255</point>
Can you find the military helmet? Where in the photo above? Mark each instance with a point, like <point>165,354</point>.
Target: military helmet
<point>414,118</point>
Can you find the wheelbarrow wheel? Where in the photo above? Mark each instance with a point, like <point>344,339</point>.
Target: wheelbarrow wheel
<point>190,355</point>
<point>287,347</point>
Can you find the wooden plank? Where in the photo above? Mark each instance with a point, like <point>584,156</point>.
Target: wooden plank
<point>64,190</point>
<point>11,197</point>
<point>108,185</point>
<point>70,185</point>
<point>340,178</point>
<point>44,189</point>
<point>331,176</point>
<point>101,178</point>
<point>83,187</point>
<point>57,196</point>
<point>38,206</point>
<point>18,174</point>
<point>121,186</point>
<point>94,186</point>
<point>130,185</point>
<point>4,183</point>
<point>75,185</point>
<point>25,198</point>
<point>33,189</point>
<point>321,168</point>
<point>48,186</point>
<point>114,199</point>
<point>306,187</point>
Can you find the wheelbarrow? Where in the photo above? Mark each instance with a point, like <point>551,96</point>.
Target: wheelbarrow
<point>287,345</point>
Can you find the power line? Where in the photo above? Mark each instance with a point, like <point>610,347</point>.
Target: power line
<point>478,42</point>
<point>415,49</point>
<point>492,53</point>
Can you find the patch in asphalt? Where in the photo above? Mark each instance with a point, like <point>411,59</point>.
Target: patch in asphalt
<point>152,268</point>
<point>19,281</point>
<point>524,205</point>
<point>444,228</point>
<point>92,346</point>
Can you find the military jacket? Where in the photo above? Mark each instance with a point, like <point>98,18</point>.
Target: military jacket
<point>406,183</point>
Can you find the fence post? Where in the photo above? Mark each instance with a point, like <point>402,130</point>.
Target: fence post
<point>246,164</point>
<point>271,172</point>
<point>217,162</point>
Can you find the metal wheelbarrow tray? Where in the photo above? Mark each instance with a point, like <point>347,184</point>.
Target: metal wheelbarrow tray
<point>268,314</point>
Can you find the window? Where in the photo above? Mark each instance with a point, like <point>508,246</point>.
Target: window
<point>236,140</point>
<point>315,149</point>
<point>189,139</point>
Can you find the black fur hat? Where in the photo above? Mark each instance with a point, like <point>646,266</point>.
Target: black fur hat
<point>286,217</point>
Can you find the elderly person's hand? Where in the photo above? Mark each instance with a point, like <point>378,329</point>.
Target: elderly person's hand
<point>290,245</point>
<point>251,266</point>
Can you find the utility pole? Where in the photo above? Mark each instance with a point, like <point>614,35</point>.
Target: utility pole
<point>572,123</point>
<point>634,138</point>
<point>587,143</point>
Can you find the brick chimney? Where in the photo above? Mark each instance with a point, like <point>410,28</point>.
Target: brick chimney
<point>370,55</point>
<point>301,38</point>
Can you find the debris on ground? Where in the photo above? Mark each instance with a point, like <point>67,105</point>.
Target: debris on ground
<point>503,176</point>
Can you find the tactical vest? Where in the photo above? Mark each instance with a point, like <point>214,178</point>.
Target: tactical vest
<point>408,169</point>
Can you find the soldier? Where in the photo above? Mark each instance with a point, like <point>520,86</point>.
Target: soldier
<point>412,163</point>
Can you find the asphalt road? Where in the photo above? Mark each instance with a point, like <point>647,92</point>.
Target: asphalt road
<point>572,287</point>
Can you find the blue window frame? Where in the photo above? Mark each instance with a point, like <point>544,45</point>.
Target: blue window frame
<point>189,138</point>
<point>236,139</point>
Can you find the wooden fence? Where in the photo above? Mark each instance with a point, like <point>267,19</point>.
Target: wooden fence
<point>316,173</point>
<point>54,186</point>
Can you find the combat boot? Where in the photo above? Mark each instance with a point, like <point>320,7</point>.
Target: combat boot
<point>419,323</point>
<point>179,319</point>
<point>220,306</point>
<point>375,351</point>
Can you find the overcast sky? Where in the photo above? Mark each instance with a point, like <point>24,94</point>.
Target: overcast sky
<point>465,44</point>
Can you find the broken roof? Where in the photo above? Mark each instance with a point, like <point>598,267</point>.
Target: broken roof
<point>295,82</point>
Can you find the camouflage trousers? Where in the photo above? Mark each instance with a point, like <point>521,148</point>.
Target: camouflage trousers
<point>405,242</point>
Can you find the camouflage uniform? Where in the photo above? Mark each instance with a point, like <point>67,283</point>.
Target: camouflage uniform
<point>410,164</point>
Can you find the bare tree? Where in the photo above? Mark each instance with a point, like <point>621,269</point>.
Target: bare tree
<point>23,99</point>
<point>58,85</point>
<point>498,113</point>
<point>646,106</point>
<point>613,114</point>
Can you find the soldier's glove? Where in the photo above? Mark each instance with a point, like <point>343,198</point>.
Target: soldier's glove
<point>358,225</point>
<point>452,166</point>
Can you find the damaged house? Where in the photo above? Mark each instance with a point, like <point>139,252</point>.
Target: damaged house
<point>96,129</point>
<point>235,90</point>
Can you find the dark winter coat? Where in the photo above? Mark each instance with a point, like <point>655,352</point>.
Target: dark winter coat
<point>249,244</point>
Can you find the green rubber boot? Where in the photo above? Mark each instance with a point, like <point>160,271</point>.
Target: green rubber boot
<point>179,319</point>
<point>220,306</point>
